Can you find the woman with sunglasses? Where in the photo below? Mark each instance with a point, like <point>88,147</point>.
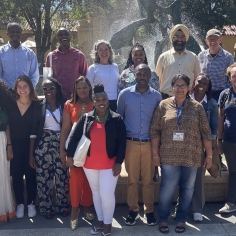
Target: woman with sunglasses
<point>80,192</point>
<point>44,152</point>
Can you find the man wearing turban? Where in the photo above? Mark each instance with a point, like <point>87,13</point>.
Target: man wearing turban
<point>177,60</point>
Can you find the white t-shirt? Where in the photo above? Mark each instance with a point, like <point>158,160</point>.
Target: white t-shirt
<point>50,123</point>
<point>107,75</point>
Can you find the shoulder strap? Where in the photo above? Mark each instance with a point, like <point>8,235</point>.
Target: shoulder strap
<point>85,122</point>
<point>224,98</point>
<point>50,59</point>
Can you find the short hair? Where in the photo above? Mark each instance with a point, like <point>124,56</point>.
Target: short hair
<point>59,95</point>
<point>228,71</point>
<point>185,78</point>
<point>209,90</point>
<point>99,88</point>
<point>143,66</point>
<point>130,60</point>
<point>9,25</point>
<point>74,95</point>
<point>94,53</point>
<point>62,28</point>
<point>25,78</point>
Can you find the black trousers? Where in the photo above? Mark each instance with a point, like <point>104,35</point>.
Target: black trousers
<point>113,105</point>
<point>20,167</point>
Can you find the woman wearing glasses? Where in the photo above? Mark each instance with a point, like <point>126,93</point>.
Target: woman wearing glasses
<point>44,152</point>
<point>179,131</point>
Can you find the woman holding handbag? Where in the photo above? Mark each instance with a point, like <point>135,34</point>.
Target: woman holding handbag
<point>107,133</point>
<point>80,192</point>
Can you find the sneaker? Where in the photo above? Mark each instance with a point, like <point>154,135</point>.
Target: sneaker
<point>132,217</point>
<point>174,215</point>
<point>223,166</point>
<point>228,207</point>
<point>31,210</point>
<point>197,217</point>
<point>20,210</point>
<point>151,220</point>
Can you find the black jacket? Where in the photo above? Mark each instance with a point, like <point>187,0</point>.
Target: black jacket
<point>39,120</point>
<point>115,135</point>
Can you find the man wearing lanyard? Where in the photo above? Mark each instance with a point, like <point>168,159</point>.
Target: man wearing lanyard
<point>214,62</point>
<point>136,105</point>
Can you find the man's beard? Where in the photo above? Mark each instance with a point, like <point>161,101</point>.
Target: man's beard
<point>179,47</point>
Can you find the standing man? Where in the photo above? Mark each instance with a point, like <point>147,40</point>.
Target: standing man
<point>214,61</point>
<point>136,105</point>
<point>178,60</point>
<point>16,59</point>
<point>68,63</point>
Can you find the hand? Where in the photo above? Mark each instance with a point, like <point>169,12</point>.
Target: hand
<point>32,162</point>
<point>63,156</point>
<point>70,162</point>
<point>116,169</point>
<point>208,162</point>
<point>156,160</point>
<point>9,153</point>
<point>220,148</point>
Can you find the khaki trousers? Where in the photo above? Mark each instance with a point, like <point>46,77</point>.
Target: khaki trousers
<point>138,161</point>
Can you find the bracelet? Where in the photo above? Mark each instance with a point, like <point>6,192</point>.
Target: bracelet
<point>209,156</point>
<point>155,157</point>
<point>220,139</point>
<point>9,144</point>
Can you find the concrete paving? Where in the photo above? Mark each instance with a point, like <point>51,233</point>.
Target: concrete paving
<point>213,224</point>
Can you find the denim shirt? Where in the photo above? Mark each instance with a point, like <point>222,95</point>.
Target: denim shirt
<point>211,109</point>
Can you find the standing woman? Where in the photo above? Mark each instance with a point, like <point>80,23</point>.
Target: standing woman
<point>227,136</point>
<point>137,56</point>
<point>7,205</point>
<point>104,71</point>
<point>21,112</point>
<point>80,192</point>
<point>107,133</point>
<point>179,131</point>
<point>44,152</point>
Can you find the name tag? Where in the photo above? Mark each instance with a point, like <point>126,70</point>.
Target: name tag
<point>178,136</point>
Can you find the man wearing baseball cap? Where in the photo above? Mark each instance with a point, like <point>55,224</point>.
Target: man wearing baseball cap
<point>178,60</point>
<point>214,62</point>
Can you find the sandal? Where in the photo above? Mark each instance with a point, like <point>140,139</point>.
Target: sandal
<point>103,234</point>
<point>164,229</point>
<point>89,216</point>
<point>96,230</point>
<point>48,215</point>
<point>179,229</point>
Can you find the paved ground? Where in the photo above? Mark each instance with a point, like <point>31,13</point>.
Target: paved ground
<point>213,224</point>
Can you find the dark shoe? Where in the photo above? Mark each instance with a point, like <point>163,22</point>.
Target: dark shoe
<point>164,229</point>
<point>48,215</point>
<point>64,213</point>
<point>156,177</point>
<point>223,166</point>
<point>132,217</point>
<point>179,229</point>
<point>151,220</point>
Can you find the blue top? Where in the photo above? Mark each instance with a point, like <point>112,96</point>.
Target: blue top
<point>15,62</point>
<point>230,117</point>
<point>137,110</point>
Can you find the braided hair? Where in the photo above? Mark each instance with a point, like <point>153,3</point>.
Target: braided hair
<point>129,60</point>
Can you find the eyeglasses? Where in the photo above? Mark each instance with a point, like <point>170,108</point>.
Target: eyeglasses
<point>52,88</point>
<point>182,86</point>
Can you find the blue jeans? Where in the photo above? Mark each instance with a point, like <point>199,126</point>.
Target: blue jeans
<point>171,178</point>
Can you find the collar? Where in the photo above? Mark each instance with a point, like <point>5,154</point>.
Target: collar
<point>68,50</point>
<point>13,47</point>
<point>203,100</point>
<point>133,90</point>
<point>220,53</point>
<point>172,50</point>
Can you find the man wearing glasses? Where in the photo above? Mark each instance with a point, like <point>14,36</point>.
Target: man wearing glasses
<point>177,60</point>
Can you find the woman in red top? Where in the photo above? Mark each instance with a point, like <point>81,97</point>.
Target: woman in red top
<point>107,133</point>
<point>80,192</point>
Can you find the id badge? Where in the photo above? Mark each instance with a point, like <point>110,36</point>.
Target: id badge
<point>178,136</point>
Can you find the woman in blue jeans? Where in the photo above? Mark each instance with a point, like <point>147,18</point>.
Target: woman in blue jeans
<point>179,133</point>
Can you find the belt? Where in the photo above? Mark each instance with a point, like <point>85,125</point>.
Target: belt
<point>139,140</point>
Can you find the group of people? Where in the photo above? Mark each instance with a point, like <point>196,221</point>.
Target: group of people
<point>146,119</point>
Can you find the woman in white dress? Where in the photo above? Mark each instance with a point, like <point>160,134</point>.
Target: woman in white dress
<point>7,205</point>
<point>104,71</point>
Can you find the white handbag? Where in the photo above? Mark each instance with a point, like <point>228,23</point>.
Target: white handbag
<point>82,148</point>
<point>47,71</point>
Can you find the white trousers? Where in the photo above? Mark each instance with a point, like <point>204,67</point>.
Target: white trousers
<point>102,184</point>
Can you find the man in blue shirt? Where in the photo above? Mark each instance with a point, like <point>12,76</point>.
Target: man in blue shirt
<point>17,60</point>
<point>136,105</point>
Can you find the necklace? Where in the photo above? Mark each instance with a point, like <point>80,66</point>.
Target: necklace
<point>101,120</point>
